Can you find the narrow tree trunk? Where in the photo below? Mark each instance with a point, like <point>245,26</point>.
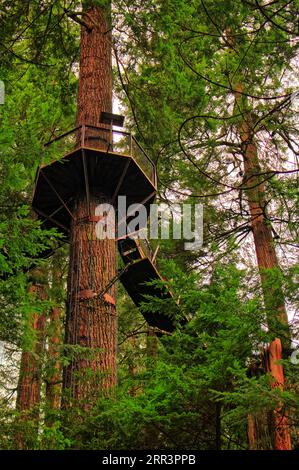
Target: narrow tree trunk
<point>53,384</point>
<point>91,321</point>
<point>282,439</point>
<point>55,340</point>
<point>28,392</point>
<point>151,344</point>
<point>29,384</point>
<point>263,241</point>
<point>218,426</point>
<point>277,318</point>
<point>251,432</point>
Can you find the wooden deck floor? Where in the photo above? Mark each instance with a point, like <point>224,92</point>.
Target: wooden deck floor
<point>58,183</point>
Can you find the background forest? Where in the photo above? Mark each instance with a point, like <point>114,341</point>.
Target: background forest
<point>201,83</point>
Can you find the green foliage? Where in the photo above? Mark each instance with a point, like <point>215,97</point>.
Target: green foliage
<point>201,370</point>
<point>178,66</point>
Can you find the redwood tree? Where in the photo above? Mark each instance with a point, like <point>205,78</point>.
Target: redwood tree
<point>28,391</point>
<point>205,55</point>
<point>91,321</point>
<point>30,374</point>
<point>277,318</point>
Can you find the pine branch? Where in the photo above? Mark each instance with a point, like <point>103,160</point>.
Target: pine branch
<point>74,16</point>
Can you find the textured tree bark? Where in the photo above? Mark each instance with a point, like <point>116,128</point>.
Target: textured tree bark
<point>30,380</point>
<point>53,384</point>
<point>28,391</point>
<point>271,430</point>
<point>218,426</point>
<point>262,235</point>
<point>95,76</point>
<point>277,318</point>
<point>259,431</point>
<point>282,439</point>
<point>151,344</point>
<point>90,320</point>
<point>251,432</point>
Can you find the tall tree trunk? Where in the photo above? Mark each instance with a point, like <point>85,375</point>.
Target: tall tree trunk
<point>30,380</point>
<point>53,384</point>
<point>151,344</point>
<point>95,76</point>
<point>277,318</point>
<point>218,426</point>
<point>91,320</point>
<point>282,439</point>
<point>55,339</point>
<point>28,392</point>
<point>261,228</point>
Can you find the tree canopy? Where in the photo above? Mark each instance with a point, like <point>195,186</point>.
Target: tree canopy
<point>188,76</point>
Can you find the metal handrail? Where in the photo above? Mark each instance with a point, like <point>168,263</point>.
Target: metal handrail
<point>81,142</point>
<point>154,176</point>
<point>61,136</point>
<point>101,128</point>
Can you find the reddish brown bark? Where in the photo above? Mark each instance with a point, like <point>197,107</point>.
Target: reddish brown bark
<point>271,430</point>
<point>30,380</point>
<point>95,78</point>
<point>53,384</point>
<point>259,431</point>
<point>277,318</point>
<point>251,432</point>
<point>28,392</point>
<point>151,343</point>
<point>261,229</point>
<point>91,321</point>
<point>282,439</point>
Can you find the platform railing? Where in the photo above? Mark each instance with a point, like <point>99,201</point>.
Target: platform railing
<point>145,248</point>
<point>101,138</point>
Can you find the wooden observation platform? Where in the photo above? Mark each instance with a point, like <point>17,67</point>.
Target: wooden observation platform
<point>97,160</point>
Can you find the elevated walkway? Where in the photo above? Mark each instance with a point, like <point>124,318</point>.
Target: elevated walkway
<point>97,159</point>
<point>142,269</point>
